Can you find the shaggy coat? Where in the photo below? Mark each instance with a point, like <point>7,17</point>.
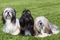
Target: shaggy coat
<point>43,27</point>
<point>27,23</point>
<point>10,22</point>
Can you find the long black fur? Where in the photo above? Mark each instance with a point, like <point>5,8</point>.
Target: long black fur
<point>27,22</point>
<point>14,16</point>
<point>3,20</point>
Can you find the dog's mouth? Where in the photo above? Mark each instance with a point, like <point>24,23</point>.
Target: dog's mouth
<point>8,17</point>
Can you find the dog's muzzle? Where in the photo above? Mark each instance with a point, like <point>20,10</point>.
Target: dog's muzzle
<point>8,16</point>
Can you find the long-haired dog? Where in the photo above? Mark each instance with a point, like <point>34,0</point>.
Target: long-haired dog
<point>44,28</point>
<point>11,24</point>
<point>27,23</point>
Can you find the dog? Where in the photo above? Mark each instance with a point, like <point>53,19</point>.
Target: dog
<point>10,22</point>
<point>27,23</point>
<point>43,27</point>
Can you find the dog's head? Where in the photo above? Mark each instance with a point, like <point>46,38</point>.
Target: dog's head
<point>27,15</point>
<point>10,14</point>
<point>42,23</point>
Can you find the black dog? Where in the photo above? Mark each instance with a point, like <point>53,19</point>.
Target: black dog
<point>27,23</point>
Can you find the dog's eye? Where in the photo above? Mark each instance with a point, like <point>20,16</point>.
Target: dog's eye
<point>40,23</point>
<point>6,11</point>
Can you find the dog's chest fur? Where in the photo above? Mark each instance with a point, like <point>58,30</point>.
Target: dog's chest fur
<point>9,27</point>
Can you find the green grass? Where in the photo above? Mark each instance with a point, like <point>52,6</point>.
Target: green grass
<point>47,8</point>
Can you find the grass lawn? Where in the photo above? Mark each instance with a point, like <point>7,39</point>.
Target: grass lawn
<point>47,8</point>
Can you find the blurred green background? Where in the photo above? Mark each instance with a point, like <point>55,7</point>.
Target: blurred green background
<point>48,8</point>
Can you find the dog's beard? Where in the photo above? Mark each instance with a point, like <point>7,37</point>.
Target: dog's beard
<point>8,16</point>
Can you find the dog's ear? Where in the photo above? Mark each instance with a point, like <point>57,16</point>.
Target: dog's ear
<point>13,20</point>
<point>14,11</point>
<point>3,19</point>
<point>48,29</point>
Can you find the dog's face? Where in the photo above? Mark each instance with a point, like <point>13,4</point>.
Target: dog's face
<point>40,25</point>
<point>8,13</point>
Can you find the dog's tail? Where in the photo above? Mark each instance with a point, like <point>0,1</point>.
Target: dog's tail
<point>54,28</point>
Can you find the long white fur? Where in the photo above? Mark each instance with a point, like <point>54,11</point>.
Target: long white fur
<point>54,28</point>
<point>27,33</point>
<point>45,22</point>
<point>13,29</point>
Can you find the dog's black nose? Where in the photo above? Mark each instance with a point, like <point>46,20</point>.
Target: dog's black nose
<point>8,13</point>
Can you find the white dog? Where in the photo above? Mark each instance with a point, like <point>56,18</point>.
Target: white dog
<point>11,24</point>
<point>44,28</point>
